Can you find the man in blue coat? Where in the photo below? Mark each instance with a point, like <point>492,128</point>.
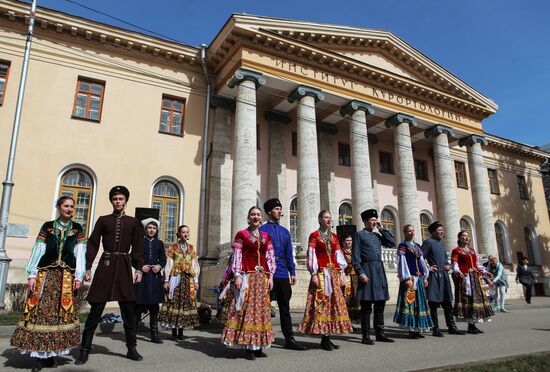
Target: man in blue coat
<point>373,284</point>
<point>282,291</point>
<point>439,284</point>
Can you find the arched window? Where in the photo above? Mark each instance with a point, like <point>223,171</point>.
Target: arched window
<point>425,221</point>
<point>532,245</point>
<point>502,243</point>
<point>388,221</point>
<point>293,212</point>
<point>467,224</point>
<point>166,198</point>
<point>79,185</point>
<point>345,214</point>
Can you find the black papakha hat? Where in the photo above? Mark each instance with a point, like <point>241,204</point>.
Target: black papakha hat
<point>272,203</point>
<point>368,214</point>
<point>434,226</point>
<point>119,190</point>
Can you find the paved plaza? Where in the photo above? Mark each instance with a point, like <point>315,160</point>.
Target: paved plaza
<point>526,329</point>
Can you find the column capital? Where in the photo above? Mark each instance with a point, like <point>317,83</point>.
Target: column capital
<point>438,129</point>
<point>243,74</point>
<point>304,90</point>
<point>399,119</point>
<point>222,102</point>
<point>354,105</point>
<point>327,128</point>
<point>472,139</point>
<point>274,116</point>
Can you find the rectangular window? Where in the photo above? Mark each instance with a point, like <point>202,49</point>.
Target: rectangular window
<point>386,162</point>
<point>171,115</point>
<point>344,154</point>
<point>421,169</point>
<point>294,144</point>
<point>88,99</point>
<point>460,171</point>
<point>493,181</point>
<point>522,187</point>
<point>4,72</point>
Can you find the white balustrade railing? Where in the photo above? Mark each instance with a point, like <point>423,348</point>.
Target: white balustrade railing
<point>389,257</point>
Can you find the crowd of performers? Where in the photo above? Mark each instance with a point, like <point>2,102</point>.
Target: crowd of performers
<point>347,283</point>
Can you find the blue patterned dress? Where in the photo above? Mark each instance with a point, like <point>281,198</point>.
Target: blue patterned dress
<point>412,310</point>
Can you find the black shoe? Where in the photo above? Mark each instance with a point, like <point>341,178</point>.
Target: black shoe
<point>437,333</point>
<point>38,365</point>
<point>478,330</point>
<point>180,335</point>
<point>291,344</point>
<point>133,354</point>
<point>335,347</point>
<point>381,337</point>
<point>472,329</point>
<point>250,355</point>
<point>259,354</point>
<point>419,335</point>
<point>326,344</point>
<point>155,338</point>
<point>82,358</point>
<point>174,334</point>
<point>456,331</point>
<point>367,340</point>
<point>50,362</point>
<point>413,335</point>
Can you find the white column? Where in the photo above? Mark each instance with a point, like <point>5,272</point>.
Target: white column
<point>445,183</point>
<point>327,178</point>
<point>362,196</point>
<point>483,211</point>
<point>245,162</point>
<point>373,140</point>
<point>309,201</point>
<point>409,211</point>
<point>221,168</point>
<point>277,161</point>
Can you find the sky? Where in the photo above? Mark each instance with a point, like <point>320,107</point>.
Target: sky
<point>499,47</point>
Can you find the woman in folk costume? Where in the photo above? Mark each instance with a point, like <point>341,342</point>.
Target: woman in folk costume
<point>182,282</point>
<point>350,291</point>
<point>471,304</point>
<point>326,312</point>
<point>248,324</point>
<point>49,325</point>
<point>150,291</point>
<point>412,305</point>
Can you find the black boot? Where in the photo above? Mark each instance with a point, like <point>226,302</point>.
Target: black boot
<point>291,344</point>
<point>472,329</point>
<point>326,344</point>
<point>180,334</point>
<point>50,362</point>
<point>82,357</point>
<point>451,325</point>
<point>259,353</point>
<point>154,326</point>
<point>365,329</point>
<point>38,365</point>
<point>250,355</point>
<point>379,328</point>
<point>133,354</point>
<point>174,334</point>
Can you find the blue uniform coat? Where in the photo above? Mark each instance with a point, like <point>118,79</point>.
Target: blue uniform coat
<point>439,284</point>
<point>150,291</point>
<point>367,260</point>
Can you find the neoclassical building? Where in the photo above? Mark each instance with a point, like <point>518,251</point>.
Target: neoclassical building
<point>321,116</point>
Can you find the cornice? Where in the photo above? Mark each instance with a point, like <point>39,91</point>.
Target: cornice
<point>85,30</point>
<point>295,50</point>
<point>516,147</point>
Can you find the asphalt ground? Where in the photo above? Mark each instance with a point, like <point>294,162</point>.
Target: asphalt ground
<point>524,330</point>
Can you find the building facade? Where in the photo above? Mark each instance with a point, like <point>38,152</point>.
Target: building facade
<point>321,116</point>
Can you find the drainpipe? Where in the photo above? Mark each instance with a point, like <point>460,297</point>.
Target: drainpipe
<point>204,168</point>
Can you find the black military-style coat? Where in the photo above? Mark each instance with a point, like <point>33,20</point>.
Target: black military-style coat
<point>150,291</point>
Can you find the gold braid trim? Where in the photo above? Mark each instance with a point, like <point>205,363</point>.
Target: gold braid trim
<point>179,312</point>
<point>326,318</point>
<point>67,303</point>
<point>34,298</point>
<point>49,328</point>
<point>248,327</point>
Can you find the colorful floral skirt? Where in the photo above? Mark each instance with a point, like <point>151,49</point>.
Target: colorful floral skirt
<point>354,307</point>
<point>181,310</point>
<point>326,314</point>
<point>472,308</point>
<point>250,326</point>
<point>411,312</point>
<point>224,305</point>
<point>47,330</point>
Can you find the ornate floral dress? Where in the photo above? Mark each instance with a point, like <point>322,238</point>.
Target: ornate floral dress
<point>248,324</point>
<point>471,304</point>
<point>182,273</point>
<point>49,325</point>
<point>326,311</point>
<point>412,311</point>
<point>350,291</point>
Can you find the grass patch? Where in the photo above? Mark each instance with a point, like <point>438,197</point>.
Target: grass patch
<point>11,318</point>
<point>525,363</point>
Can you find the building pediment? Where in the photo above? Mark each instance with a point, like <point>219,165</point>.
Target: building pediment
<point>360,53</point>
